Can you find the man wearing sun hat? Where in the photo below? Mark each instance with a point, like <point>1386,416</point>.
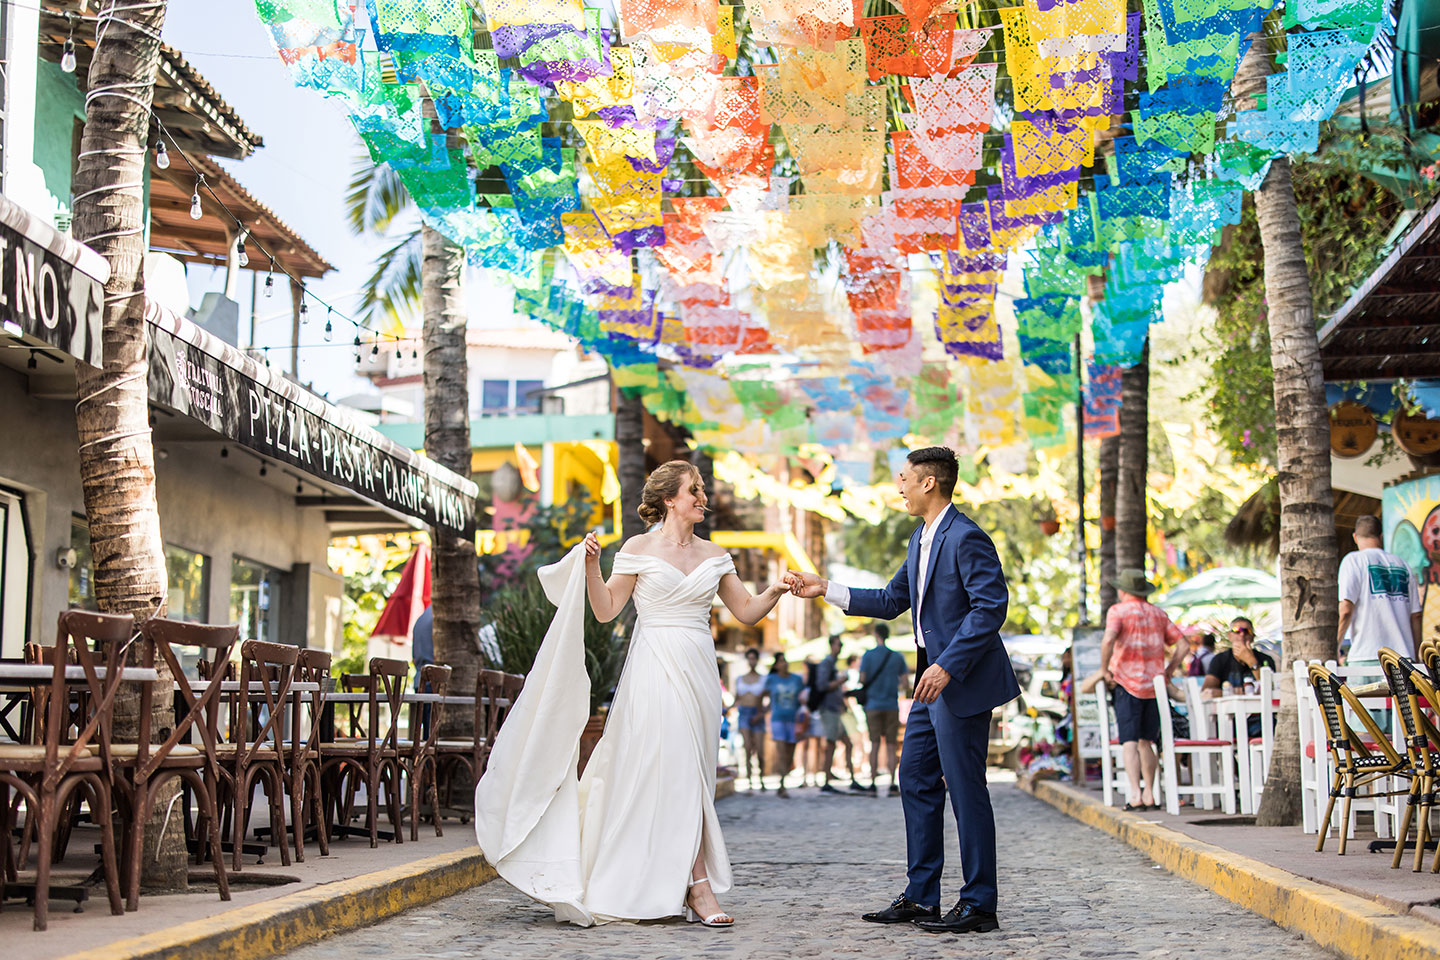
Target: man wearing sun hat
<point>1133,655</point>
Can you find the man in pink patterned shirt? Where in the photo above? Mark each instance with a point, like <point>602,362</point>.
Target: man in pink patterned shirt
<point>1133,655</point>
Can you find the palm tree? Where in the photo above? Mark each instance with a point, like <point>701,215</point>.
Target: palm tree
<point>112,412</point>
<point>1308,563</point>
<point>424,269</point>
<point>630,439</point>
<point>1131,516</point>
<point>1109,475</point>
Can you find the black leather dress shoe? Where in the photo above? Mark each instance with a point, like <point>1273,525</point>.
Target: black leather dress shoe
<point>902,910</point>
<point>963,918</point>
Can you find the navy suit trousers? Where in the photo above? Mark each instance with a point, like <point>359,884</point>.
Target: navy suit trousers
<point>943,750</point>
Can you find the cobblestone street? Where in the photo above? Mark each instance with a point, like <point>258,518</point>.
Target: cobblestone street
<point>807,867</point>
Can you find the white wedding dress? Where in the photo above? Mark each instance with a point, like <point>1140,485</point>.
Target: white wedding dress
<point>620,843</point>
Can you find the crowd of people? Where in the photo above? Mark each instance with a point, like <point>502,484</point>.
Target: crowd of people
<point>840,704</point>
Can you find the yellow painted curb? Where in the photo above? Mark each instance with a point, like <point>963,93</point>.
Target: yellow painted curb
<point>275,926</point>
<point>1351,925</point>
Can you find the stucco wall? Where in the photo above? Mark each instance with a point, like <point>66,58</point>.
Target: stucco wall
<point>208,504</point>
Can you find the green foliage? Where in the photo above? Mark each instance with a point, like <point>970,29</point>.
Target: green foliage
<point>364,600</point>
<point>374,200</point>
<point>1345,219</point>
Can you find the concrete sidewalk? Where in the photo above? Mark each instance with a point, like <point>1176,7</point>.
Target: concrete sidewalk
<point>1356,904</point>
<point>353,886</point>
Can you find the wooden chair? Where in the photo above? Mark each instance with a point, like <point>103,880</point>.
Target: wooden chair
<point>418,755</point>
<point>256,751</point>
<point>1412,691</point>
<point>48,774</point>
<point>151,765</point>
<point>1355,765</point>
<point>373,759</point>
<point>1201,751</point>
<point>306,798</point>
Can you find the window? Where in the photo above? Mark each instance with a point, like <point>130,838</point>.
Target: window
<point>82,575</point>
<point>14,574</point>
<point>494,397</point>
<point>255,600</point>
<point>189,580</point>
<point>527,395</point>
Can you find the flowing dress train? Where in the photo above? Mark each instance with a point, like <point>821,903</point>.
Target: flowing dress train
<point>619,843</point>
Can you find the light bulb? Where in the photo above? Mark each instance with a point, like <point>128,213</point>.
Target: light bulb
<point>375,349</point>
<point>67,59</point>
<point>304,310</point>
<point>414,354</point>
<point>329,331</point>
<point>241,256</point>
<point>196,211</point>
<point>270,283</point>
<point>162,156</point>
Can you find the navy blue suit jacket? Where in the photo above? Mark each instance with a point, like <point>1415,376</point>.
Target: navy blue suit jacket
<point>966,599</point>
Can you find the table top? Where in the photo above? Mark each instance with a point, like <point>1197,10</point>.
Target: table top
<point>1372,691</point>
<point>43,671</point>
<point>256,686</point>
<point>362,697</point>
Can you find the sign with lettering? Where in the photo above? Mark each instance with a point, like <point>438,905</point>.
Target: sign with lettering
<point>51,287</point>
<point>1085,660</point>
<point>202,377</point>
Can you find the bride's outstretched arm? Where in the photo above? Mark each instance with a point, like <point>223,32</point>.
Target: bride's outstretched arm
<point>750,609</point>
<point>606,599</point>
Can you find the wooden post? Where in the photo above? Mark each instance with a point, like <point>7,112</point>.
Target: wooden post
<point>297,297</point>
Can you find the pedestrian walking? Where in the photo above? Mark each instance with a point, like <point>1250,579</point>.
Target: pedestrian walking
<point>1133,655</point>
<point>881,673</point>
<point>783,691</point>
<point>750,717</point>
<point>1379,599</point>
<point>830,682</point>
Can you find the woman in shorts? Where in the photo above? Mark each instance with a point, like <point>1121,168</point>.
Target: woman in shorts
<point>750,718</point>
<point>783,691</point>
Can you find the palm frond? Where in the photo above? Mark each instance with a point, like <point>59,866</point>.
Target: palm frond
<point>375,197</point>
<point>392,291</point>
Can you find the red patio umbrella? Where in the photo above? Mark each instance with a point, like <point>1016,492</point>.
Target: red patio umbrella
<point>411,597</point>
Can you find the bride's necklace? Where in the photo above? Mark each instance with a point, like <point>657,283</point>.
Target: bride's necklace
<point>677,542</point>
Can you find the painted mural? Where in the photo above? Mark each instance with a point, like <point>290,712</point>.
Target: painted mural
<point>1411,518</point>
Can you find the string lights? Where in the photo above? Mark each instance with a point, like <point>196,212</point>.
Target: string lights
<point>196,210</point>
<point>67,58</point>
<point>162,156</point>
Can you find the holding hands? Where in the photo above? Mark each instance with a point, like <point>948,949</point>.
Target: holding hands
<point>807,586</point>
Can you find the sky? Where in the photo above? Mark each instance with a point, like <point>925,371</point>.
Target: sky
<point>300,174</point>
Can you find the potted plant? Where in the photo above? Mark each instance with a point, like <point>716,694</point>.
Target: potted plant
<point>1046,518</point>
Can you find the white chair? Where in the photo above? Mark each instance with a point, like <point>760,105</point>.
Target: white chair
<point>1262,747</point>
<point>1203,751</point>
<point>1112,755</point>
<point>1313,790</point>
<point>1204,725</point>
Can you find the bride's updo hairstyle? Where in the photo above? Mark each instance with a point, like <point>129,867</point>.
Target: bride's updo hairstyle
<point>665,484</point>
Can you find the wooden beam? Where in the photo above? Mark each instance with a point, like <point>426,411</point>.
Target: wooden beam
<point>1388,322</point>
<point>1422,289</point>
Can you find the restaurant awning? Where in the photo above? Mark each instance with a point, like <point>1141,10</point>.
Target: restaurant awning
<point>1390,326</point>
<point>52,289</point>
<point>200,377</point>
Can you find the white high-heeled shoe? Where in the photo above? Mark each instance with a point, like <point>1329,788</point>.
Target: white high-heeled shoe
<point>721,919</point>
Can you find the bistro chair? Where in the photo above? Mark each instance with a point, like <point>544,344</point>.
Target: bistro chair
<point>374,758</point>
<point>33,725</point>
<point>150,765</point>
<point>306,798</point>
<point>418,754</point>
<point>256,750</point>
<point>1358,763</point>
<point>1429,655</point>
<point>1412,691</point>
<point>1112,753</point>
<point>47,774</point>
<point>1201,751</point>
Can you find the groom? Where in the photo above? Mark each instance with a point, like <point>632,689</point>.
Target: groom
<point>953,582</point>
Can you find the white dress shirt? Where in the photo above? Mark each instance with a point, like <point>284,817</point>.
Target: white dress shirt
<point>839,595</point>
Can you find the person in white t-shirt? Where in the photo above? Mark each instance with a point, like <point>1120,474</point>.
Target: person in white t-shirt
<point>1379,599</point>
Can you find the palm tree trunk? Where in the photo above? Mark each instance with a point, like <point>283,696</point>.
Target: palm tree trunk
<point>112,413</point>
<point>1131,516</point>
<point>1109,476</point>
<point>455,580</point>
<point>1308,561</point>
<point>630,439</point>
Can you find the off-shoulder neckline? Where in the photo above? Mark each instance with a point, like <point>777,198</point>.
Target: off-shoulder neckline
<point>672,566</point>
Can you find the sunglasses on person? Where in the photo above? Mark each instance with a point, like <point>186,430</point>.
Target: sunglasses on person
<point>1243,631</point>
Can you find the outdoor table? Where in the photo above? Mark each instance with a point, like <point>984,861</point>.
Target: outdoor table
<point>14,698</point>
<point>1238,707</point>
<point>448,700</point>
<point>43,671</point>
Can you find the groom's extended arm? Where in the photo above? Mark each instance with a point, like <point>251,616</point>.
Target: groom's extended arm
<point>984,582</point>
<point>882,603</point>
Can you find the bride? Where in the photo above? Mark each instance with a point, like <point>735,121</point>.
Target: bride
<point>637,838</point>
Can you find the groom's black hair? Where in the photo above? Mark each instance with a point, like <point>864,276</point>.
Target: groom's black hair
<point>937,462</point>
